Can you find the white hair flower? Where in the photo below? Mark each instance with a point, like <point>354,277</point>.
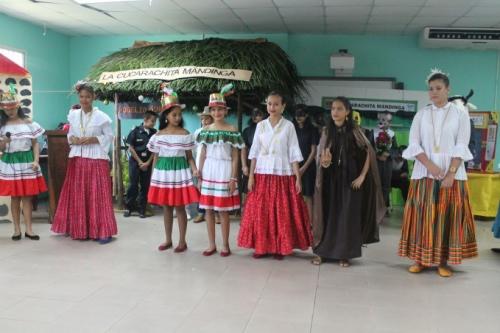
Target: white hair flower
<point>434,71</point>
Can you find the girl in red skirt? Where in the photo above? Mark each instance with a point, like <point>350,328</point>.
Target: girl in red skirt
<point>275,220</point>
<point>172,179</point>
<point>219,165</point>
<point>20,176</point>
<point>85,208</point>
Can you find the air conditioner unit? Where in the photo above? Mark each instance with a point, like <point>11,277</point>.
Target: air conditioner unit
<point>342,63</point>
<point>461,38</point>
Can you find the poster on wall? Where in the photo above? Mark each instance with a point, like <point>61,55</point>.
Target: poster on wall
<point>136,110</point>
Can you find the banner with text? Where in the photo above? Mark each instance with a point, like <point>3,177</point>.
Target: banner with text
<point>173,73</point>
<point>376,105</point>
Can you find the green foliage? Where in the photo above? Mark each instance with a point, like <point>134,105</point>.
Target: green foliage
<point>271,68</point>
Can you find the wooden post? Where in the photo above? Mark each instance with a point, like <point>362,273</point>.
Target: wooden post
<point>117,165</point>
<point>240,113</point>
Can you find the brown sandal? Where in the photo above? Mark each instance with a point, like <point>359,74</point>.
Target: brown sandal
<point>444,271</point>
<point>317,261</point>
<point>344,263</point>
<point>416,268</point>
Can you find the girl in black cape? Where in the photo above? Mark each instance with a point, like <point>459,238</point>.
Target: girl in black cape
<point>348,200</point>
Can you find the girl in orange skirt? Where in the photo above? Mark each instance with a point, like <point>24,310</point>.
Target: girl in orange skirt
<point>438,227</point>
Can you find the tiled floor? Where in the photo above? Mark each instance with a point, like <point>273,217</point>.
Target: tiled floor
<point>60,285</point>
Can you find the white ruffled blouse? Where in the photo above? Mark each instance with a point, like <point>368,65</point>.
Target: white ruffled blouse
<point>21,135</point>
<point>199,147</point>
<point>95,123</point>
<point>275,149</point>
<point>171,145</point>
<point>451,133</point>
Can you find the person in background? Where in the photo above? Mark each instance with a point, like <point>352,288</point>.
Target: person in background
<point>496,229</point>
<point>140,165</point>
<point>399,177</point>
<point>308,137</point>
<point>248,134</point>
<point>206,119</point>
<point>383,140</point>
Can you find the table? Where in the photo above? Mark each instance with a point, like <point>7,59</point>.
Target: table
<point>484,193</point>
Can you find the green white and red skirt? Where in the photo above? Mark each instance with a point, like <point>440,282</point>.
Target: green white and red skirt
<point>17,177</point>
<point>215,186</point>
<point>172,183</point>
<point>438,224</point>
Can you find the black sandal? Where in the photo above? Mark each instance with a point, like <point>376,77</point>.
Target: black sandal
<point>16,237</point>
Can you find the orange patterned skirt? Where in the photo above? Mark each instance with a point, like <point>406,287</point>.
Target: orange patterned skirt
<point>438,225</point>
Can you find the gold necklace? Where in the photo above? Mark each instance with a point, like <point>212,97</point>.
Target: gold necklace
<point>83,129</point>
<point>437,148</point>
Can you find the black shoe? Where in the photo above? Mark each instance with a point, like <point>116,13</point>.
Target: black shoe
<point>127,213</point>
<point>142,214</point>
<point>16,237</point>
<point>32,237</point>
<point>495,249</point>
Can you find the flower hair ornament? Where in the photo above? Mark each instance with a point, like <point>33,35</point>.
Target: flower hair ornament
<point>169,97</point>
<point>219,99</point>
<point>9,98</point>
<point>434,71</point>
<point>79,84</point>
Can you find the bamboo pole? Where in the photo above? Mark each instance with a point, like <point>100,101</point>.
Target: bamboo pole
<point>240,113</point>
<point>117,165</point>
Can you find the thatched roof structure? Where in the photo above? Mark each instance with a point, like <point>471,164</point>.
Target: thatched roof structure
<point>271,68</point>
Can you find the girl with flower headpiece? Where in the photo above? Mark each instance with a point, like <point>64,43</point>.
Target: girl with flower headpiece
<point>173,169</point>
<point>438,226</point>
<point>85,208</point>
<point>20,175</point>
<point>219,170</point>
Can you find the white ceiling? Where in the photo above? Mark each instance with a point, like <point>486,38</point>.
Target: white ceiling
<point>254,16</point>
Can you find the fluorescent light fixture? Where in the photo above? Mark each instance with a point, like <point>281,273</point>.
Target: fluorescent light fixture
<point>86,2</point>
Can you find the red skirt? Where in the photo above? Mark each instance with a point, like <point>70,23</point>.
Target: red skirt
<point>22,187</point>
<point>85,208</point>
<point>181,196</point>
<point>275,220</point>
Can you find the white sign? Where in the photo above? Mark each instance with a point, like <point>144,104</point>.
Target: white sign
<point>173,73</point>
<point>383,105</point>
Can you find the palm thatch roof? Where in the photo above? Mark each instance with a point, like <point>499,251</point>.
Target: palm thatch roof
<point>271,68</point>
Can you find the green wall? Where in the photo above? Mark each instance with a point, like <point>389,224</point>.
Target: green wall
<point>57,61</point>
<point>47,58</point>
<point>376,56</point>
